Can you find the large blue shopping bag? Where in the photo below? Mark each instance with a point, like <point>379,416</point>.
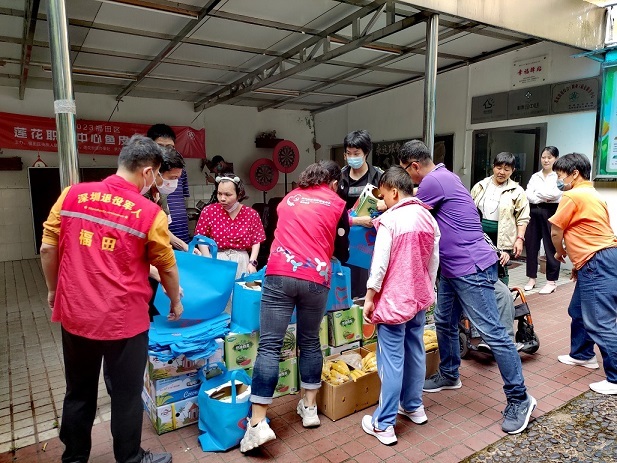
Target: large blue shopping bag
<point>361,245</point>
<point>223,422</point>
<point>207,282</point>
<point>339,296</point>
<point>246,302</point>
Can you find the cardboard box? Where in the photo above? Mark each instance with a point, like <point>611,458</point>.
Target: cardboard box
<point>170,416</point>
<point>167,390</point>
<point>288,378</point>
<point>340,349</point>
<point>290,342</point>
<point>344,326</point>
<point>241,350</point>
<point>158,369</point>
<point>323,333</point>
<point>366,203</point>
<point>337,402</point>
<point>432,360</point>
<point>369,331</point>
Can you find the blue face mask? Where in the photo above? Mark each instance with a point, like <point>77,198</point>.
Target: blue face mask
<point>355,162</point>
<point>563,186</point>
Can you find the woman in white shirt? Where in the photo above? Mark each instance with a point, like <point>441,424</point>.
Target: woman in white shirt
<point>544,197</point>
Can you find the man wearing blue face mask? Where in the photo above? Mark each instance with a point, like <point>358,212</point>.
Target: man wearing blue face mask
<point>354,177</point>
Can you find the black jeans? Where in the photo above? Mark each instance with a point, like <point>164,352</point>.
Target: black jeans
<point>539,229</point>
<point>126,362</point>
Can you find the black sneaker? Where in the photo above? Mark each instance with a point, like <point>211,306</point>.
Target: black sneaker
<point>149,457</point>
<point>517,414</point>
<point>437,383</point>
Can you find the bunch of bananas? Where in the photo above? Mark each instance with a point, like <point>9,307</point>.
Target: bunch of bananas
<point>335,372</point>
<point>430,340</point>
<point>369,363</point>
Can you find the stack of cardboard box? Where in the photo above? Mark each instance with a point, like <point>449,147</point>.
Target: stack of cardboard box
<point>171,388</point>
<point>241,352</point>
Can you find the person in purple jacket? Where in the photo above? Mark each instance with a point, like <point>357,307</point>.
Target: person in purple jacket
<point>468,275</point>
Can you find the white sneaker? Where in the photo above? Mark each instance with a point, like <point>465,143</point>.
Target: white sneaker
<point>308,414</point>
<point>591,363</point>
<point>604,387</point>
<point>386,437</point>
<point>417,416</point>
<point>256,436</point>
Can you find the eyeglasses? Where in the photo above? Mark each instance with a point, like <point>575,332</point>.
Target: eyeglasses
<point>410,163</point>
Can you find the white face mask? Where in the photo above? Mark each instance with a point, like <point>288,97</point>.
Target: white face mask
<point>231,208</point>
<point>147,187</point>
<point>168,186</point>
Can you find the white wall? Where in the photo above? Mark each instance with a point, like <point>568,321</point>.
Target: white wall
<point>397,114</point>
<point>230,132</point>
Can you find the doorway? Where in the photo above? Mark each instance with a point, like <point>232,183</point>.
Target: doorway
<point>525,142</point>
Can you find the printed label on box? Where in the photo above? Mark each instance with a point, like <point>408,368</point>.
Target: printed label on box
<point>344,326</point>
<point>180,365</point>
<point>289,342</point>
<point>241,350</point>
<point>170,416</point>
<point>288,378</point>
<point>168,390</point>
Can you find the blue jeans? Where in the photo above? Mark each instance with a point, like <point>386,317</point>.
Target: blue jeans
<point>475,294</point>
<point>401,364</point>
<point>593,309</point>
<point>280,294</point>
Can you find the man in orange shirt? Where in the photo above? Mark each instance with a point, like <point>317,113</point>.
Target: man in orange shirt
<point>582,222</point>
<point>98,243</point>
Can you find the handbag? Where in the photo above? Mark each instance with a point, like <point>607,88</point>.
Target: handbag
<point>361,246</point>
<point>339,296</point>
<point>223,422</point>
<point>246,303</point>
<point>207,282</point>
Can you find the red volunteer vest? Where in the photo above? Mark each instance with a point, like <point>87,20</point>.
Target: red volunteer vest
<point>304,237</point>
<point>103,288</point>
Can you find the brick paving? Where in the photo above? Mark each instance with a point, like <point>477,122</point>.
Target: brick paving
<point>461,422</point>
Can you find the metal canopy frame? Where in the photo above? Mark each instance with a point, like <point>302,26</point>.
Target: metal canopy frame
<point>330,53</point>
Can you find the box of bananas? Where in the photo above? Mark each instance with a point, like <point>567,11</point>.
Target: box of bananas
<point>348,367</point>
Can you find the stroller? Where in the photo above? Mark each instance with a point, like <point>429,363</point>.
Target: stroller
<point>525,333</point>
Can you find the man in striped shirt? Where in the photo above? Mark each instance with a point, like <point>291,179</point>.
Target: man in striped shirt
<point>164,136</point>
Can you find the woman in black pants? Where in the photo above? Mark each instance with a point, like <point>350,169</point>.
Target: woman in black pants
<point>544,197</point>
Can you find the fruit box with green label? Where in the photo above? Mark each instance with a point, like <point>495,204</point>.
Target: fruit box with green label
<point>170,416</point>
<point>288,378</point>
<point>344,326</point>
<point>241,350</point>
<point>369,331</point>
<point>289,342</point>
<point>323,333</point>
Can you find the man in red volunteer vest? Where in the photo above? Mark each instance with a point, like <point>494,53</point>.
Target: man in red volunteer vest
<point>98,243</point>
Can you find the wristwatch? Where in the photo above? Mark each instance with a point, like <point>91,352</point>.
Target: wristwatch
<point>253,263</point>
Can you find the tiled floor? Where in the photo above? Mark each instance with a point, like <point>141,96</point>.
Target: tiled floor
<point>460,422</point>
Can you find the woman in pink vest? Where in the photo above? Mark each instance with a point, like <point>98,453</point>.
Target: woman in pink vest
<point>400,289</point>
<point>312,227</point>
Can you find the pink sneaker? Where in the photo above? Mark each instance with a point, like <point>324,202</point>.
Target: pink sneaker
<point>417,416</point>
<point>386,437</point>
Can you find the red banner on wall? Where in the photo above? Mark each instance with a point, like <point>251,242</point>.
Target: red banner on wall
<point>93,137</point>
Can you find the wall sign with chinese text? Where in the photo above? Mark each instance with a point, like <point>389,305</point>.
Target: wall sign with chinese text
<point>530,71</point>
<point>529,102</point>
<point>489,108</point>
<point>579,95</point>
<point>35,133</point>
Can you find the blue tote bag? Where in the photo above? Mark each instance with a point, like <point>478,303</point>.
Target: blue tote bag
<point>222,424</point>
<point>339,296</point>
<point>361,246</point>
<point>246,303</point>
<point>207,282</point>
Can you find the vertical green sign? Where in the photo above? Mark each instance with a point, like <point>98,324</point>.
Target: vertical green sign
<point>607,158</point>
